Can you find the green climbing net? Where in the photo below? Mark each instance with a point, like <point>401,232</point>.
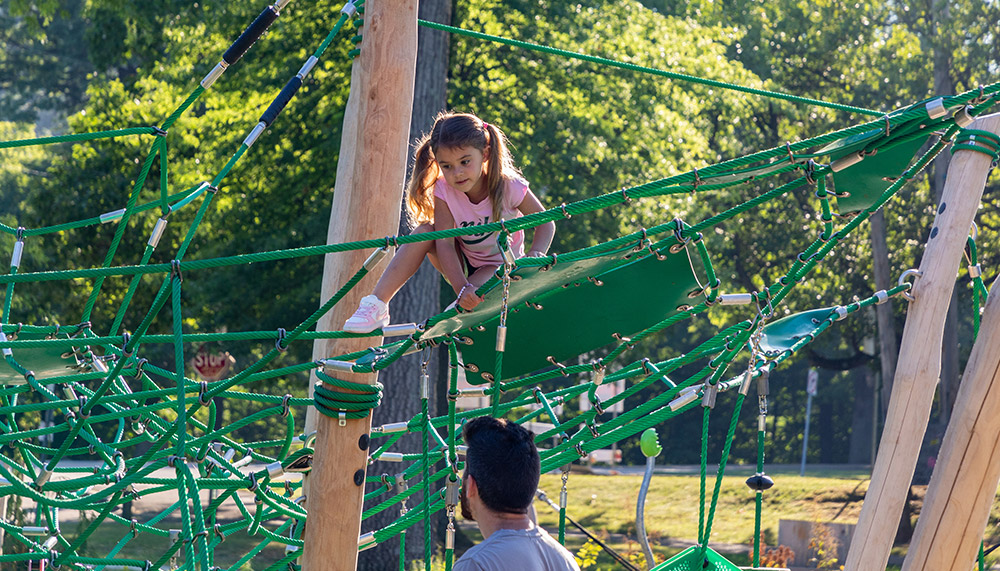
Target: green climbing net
<point>95,381</point>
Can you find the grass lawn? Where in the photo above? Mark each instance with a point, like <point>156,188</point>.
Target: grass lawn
<point>605,505</point>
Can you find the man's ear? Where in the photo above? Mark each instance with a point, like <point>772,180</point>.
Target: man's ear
<point>471,488</point>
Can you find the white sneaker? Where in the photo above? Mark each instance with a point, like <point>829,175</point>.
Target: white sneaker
<point>371,314</point>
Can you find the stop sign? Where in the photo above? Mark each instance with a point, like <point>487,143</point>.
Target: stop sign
<point>211,365</point>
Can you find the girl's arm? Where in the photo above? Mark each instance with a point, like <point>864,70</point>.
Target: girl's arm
<point>541,238</point>
<point>447,253</point>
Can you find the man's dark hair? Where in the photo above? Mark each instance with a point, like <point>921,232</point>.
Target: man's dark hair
<point>504,462</point>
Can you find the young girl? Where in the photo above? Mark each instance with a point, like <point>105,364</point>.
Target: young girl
<point>463,175</point>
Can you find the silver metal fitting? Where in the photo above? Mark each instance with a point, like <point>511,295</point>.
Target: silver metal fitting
<point>50,542</point>
<point>15,257</point>
<point>708,397</point>
<point>598,377</point>
<point>375,257</point>
<point>501,338</point>
<point>425,386</point>
<point>935,108</point>
<point>399,330</point>
<point>841,312</point>
<point>43,477</point>
<point>761,423</point>
<point>902,279</point>
<point>307,67</point>
<point>113,216</point>
<point>472,393</point>
<point>216,72</point>
<point>735,298</point>
<point>881,296</point>
<point>349,9</point>
<point>686,397</point>
<point>847,161</point>
<point>154,238</point>
<point>391,457</point>
<point>975,271</point>
<point>254,134</point>
<point>392,428</point>
<point>763,383</point>
<point>745,385</point>
<point>275,470</point>
<point>508,256</point>
<point>337,366</point>
<point>451,493</point>
<point>279,5</point>
<point>963,118</point>
<point>32,531</point>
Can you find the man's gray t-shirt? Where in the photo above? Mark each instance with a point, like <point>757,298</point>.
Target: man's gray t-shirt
<point>520,550</point>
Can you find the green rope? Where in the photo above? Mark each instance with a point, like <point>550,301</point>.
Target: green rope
<point>657,72</point>
<point>336,403</point>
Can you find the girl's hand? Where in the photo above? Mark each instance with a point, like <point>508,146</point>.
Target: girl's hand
<point>536,254</point>
<point>467,298</point>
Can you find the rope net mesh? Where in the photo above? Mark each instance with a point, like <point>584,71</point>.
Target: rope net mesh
<point>123,426</point>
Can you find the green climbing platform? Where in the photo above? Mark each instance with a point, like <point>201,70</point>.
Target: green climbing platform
<point>624,291</point>
<point>691,560</point>
<point>46,363</point>
<point>779,335</point>
<point>860,185</point>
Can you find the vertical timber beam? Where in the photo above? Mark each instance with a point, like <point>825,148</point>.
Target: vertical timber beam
<point>964,483</point>
<point>370,174</point>
<point>919,363</point>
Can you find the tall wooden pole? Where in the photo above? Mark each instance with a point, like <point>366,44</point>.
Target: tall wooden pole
<point>965,478</point>
<point>370,174</point>
<point>919,364</point>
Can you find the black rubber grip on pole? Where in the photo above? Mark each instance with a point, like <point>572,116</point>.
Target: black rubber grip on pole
<point>281,100</point>
<point>250,35</point>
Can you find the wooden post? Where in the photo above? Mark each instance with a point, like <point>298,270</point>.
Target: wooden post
<point>919,363</point>
<point>370,174</point>
<point>966,475</point>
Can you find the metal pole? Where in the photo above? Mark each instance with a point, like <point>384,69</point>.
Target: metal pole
<point>805,436</point>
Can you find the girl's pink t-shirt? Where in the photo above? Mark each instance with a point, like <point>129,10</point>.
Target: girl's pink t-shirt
<point>481,249</point>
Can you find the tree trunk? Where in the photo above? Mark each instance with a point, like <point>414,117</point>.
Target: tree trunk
<point>941,16</point>
<point>859,449</point>
<point>415,302</point>
<point>888,344</point>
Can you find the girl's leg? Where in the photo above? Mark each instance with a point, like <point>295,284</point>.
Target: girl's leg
<point>404,264</point>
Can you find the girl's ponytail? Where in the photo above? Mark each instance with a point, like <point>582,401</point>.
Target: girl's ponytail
<point>419,191</point>
<point>500,167</point>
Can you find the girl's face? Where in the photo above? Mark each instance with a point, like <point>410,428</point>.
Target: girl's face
<point>463,169</point>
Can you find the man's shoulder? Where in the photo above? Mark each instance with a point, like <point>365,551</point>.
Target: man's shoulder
<point>528,549</point>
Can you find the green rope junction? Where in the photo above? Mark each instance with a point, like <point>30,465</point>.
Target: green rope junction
<point>122,427</point>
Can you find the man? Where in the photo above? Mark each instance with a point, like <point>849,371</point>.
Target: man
<point>501,475</point>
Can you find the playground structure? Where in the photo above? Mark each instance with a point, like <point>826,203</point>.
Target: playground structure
<point>113,383</point>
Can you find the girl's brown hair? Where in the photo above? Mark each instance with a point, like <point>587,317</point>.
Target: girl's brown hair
<point>453,130</point>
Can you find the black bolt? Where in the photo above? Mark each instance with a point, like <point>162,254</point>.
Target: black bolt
<point>359,477</point>
<point>363,442</point>
<point>934,231</point>
<point>943,206</point>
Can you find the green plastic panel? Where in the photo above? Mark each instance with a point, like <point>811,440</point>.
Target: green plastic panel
<point>867,180</point>
<point>691,560</point>
<point>45,363</point>
<point>561,312</point>
<point>779,336</point>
